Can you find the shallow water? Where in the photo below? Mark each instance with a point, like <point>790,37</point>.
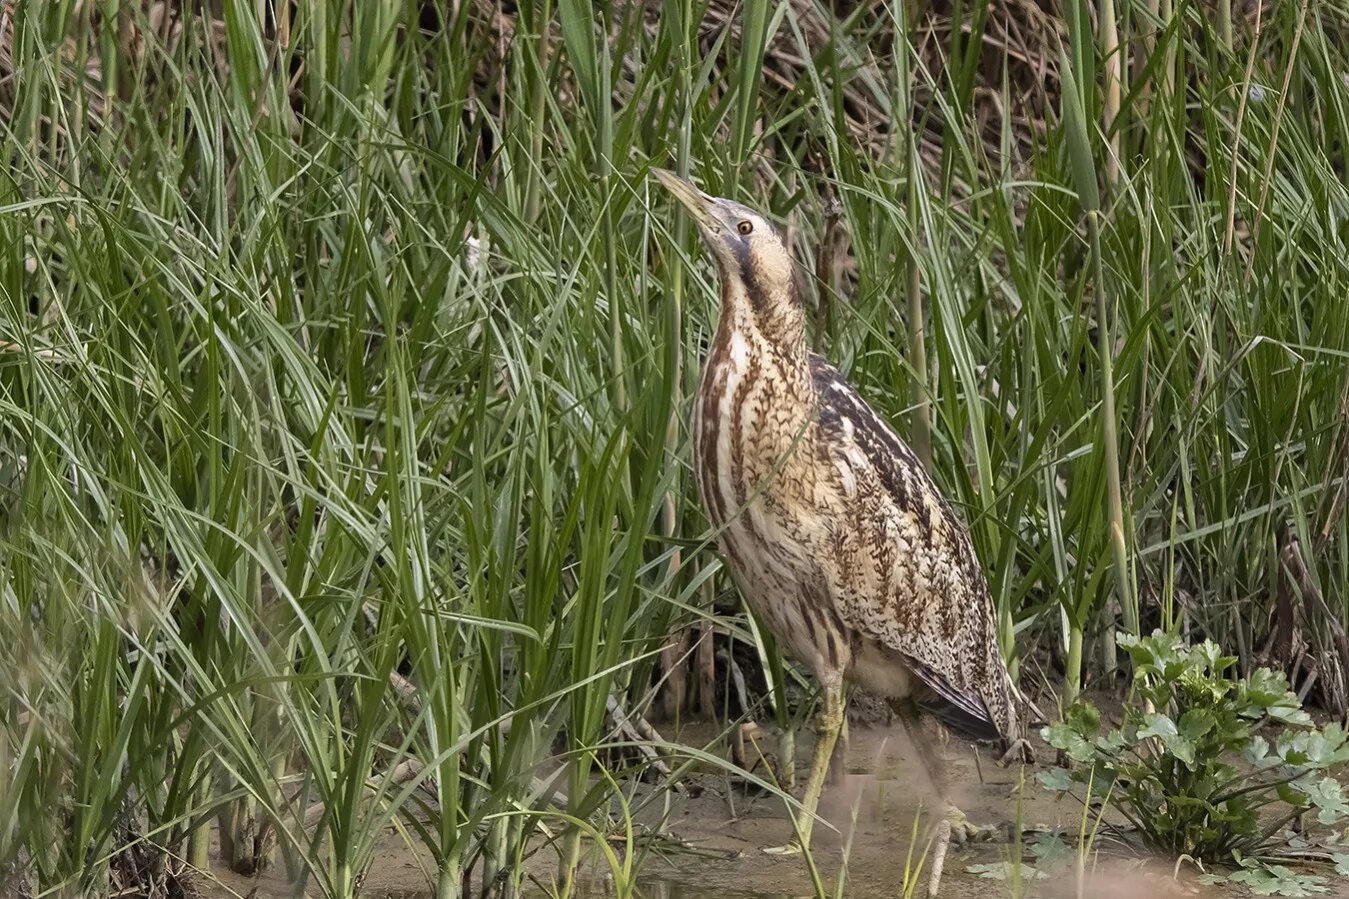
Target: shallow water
<point>872,811</point>
<point>661,888</point>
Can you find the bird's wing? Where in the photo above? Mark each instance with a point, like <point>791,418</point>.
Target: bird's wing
<point>903,570</point>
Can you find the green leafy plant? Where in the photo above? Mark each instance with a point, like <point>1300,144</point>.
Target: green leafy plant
<point>1271,880</point>
<point>1188,767</point>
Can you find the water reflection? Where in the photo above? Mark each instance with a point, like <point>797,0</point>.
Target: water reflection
<point>661,888</point>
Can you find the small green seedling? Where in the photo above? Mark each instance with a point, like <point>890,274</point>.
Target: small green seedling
<point>1188,767</point>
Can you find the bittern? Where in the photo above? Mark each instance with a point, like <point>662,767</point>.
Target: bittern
<point>841,541</point>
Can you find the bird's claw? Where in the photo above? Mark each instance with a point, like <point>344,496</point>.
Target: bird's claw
<point>792,847</point>
<point>964,831</point>
<point>954,830</point>
<point>1019,751</point>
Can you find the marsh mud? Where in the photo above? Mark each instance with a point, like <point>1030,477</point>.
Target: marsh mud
<point>711,840</point>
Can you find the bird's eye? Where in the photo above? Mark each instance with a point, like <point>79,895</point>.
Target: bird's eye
<point>745,227</point>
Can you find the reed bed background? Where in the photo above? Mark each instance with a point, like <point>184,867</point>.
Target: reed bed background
<point>345,351</point>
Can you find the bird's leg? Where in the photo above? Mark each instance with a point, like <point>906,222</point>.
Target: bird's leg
<point>953,827</point>
<point>831,722</point>
<point>838,759</point>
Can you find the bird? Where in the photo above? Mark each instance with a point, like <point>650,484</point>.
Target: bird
<point>837,536</point>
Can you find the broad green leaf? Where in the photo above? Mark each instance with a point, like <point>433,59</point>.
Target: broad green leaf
<point>1163,728</point>
<point>1196,723</point>
<point>1327,795</point>
<point>1279,880</point>
<point>1007,871</point>
<point>1256,752</point>
<point>1083,717</point>
<point>1063,736</point>
<point>1059,780</point>
<point>1050,850</point>
<point>1157,725</point>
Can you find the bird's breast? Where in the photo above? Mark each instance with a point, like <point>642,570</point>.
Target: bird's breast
<point>753,431</point>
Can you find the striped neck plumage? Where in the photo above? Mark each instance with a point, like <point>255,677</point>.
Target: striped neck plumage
<point>768,312</point>
<point>773,331</point>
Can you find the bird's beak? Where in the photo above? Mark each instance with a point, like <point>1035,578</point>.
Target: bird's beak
<point>699,204</point>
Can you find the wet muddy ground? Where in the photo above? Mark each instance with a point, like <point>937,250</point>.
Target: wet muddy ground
<point>720,833</point>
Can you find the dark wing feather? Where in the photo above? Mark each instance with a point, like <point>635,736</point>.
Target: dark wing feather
<point>906,573</point>
<point>959,719</point>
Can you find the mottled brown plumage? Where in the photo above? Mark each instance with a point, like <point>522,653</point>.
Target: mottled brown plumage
<point>839,538</point>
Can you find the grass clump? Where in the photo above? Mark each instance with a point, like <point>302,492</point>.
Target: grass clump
<point>1188,766</point>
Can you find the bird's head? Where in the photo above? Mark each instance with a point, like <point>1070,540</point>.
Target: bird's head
<point>757,276</point>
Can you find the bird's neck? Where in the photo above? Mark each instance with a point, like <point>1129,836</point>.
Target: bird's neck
<point>772,347</point>
<point>775,334</point>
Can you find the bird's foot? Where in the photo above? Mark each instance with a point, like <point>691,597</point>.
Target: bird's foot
<point>1019,751</point>
<point>940,844</point>
<point>964,831</point>
<point>791,847</point>
<point>954,829</point>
